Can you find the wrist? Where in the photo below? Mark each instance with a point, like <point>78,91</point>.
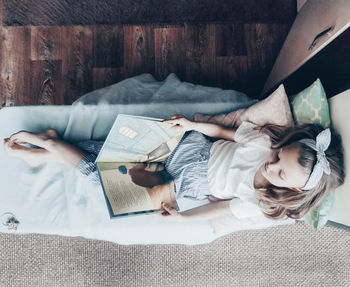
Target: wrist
<point>193,126</point>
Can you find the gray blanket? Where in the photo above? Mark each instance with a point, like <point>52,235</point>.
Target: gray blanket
<point>145,89</point>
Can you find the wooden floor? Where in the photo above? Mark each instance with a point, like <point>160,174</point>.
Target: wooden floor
<point>57,65</point>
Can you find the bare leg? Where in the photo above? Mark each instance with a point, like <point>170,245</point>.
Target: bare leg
<point>51,148</point>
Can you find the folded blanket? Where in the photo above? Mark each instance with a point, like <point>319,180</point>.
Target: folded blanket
<point>145,89</point>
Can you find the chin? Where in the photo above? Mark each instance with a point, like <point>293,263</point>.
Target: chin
<point>264,174</point>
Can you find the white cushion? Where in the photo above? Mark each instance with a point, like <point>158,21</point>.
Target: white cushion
<point>339,106</point>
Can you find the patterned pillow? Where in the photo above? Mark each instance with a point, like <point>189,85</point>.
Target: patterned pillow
<point>311,106</point>
<point>275,109</point>
<point>318,217</point>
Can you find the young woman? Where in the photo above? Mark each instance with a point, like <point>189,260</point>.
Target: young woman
<point>278,171</point>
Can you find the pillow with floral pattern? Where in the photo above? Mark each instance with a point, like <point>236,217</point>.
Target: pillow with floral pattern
<point>311,106</point>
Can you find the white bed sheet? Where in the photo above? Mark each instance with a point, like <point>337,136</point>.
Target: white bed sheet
<point>53,199</point>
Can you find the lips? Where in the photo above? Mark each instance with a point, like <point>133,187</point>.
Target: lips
<point>265,167</point>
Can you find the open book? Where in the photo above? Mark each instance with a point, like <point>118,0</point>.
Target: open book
<point>130,160</point>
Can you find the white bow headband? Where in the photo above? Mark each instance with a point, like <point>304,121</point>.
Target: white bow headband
<point>322,165</point>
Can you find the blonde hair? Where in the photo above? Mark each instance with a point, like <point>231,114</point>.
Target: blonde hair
<point>280,203</point>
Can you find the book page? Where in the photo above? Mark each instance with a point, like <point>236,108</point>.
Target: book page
<point>124,196</point>
<point>127,194</point>
<point>139,139</point>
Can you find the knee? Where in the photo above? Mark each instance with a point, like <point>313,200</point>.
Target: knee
<point>50,143</point>
<point>51,133</point>
<point>17,135</point>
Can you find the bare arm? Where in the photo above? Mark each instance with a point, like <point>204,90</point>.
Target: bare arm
<point>205,212</point>
<point>214,131</point>
<point>209,129</point>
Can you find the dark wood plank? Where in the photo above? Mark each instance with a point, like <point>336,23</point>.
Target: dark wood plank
<point>72,12</point>
<point>230,40</point>
<point>45,43</point>
<point>232,72</point>
<point>15,69</point>
<point>1,14</point>
<point>263,42</point>
<point>103,77</point>
<point>46,82</point>
<point>77,58</point>
<point>94,57</point>
<point>138,50</point>
<point>108,45</point>
<point>169,52</point>
<point>200,63</point>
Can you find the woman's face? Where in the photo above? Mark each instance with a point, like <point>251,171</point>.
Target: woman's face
<point>282,168</point>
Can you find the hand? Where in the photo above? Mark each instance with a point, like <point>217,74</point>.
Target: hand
<point>180,123</point>
<point>170,214</point>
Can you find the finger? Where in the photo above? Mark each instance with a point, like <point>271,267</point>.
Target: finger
<point>174,121</point>
<point>12,138</point>
<point>164,213</point>
<point>16,138</point>
<point>177,116</point>
<point>140,166</point>
<point>169,209</point>
<point>15,135</point>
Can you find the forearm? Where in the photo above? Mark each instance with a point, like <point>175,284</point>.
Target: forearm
<point>214,131</point>
<point>179,122</point>
<point>208,211</point>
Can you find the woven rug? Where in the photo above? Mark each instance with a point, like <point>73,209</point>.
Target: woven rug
<point>280,256</point>
<point>90,12</point>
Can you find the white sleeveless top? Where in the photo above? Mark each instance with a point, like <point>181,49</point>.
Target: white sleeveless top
<point>233,165</point>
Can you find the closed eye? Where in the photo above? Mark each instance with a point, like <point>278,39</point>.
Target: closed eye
<point>280,174</point>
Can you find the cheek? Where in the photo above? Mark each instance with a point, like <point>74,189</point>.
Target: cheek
<point>270,177</point>
<point>301,181</point>
<point>275,180</point>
